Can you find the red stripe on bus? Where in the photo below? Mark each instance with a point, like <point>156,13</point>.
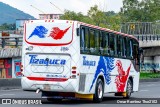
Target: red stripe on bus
<point>47,79</point>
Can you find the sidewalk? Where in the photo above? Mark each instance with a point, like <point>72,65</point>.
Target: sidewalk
<point>6,84</point>
<point>150,80</point>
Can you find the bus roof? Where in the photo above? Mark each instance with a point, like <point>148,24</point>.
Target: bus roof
<point>108,30</point>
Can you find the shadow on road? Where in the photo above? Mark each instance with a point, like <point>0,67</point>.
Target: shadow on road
<point>106,100</point>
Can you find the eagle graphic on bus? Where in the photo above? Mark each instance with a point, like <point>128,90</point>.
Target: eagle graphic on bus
<point>39,31</point>
<point>105,65</point>
<point>56,33</point>
<point>121,79</point>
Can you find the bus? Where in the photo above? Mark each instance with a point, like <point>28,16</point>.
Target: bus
<point>71,59</point>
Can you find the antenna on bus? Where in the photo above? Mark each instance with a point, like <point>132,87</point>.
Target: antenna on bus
<point>57,7</point>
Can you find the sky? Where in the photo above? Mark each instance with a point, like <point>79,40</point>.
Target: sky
<point>44,6</point>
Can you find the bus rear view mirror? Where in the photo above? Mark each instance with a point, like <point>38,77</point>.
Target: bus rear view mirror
<point>78,32</point>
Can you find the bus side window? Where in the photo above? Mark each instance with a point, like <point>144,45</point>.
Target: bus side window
<point>115,44</point>
<point>131,48</point>
<point>104,43</point>
<point>92,41</point>
<point>124,47</point>
<point>135,52</point>
<point>84,40</point>
<point>119,46</point>
<point>128,47</point>
<point>111,44</point>
<point>97,40</point>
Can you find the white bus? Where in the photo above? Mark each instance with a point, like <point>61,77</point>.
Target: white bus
<point>71,59</point>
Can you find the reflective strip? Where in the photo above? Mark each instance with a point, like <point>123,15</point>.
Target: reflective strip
<point>47,79</point>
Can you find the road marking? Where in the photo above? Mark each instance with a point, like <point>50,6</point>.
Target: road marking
<point>150,85</point>
<point>143,90</point>
<point>6,94</point>
<point>11,90</point>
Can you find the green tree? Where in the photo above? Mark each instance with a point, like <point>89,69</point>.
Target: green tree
<point>144,10</point>
<point>71,15</point>
<point>113,22</point>
<point>110,13</point>
<point>95,16</point>
<point>109,19</point>
<point>6,26</point>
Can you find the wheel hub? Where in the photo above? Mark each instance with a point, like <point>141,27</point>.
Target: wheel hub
<point>100,91</point>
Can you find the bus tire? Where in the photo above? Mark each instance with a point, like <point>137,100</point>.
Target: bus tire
<point>99,90</point>
<point>129,89</point>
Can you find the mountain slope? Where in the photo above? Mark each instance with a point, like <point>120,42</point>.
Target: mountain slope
<point>9,14</point>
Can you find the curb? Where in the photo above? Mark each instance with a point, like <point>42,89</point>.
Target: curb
<point>6,84</point>
<point>150,80</point>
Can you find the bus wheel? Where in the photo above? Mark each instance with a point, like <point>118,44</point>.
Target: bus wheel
<point>99,90</point>
<point>129,89</point>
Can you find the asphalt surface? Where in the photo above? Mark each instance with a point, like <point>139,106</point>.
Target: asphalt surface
<point>146,90</point>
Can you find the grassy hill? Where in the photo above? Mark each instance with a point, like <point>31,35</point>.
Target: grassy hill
<point>9,14</point>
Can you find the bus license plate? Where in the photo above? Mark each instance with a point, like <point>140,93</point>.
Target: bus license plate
<point>46,87</point>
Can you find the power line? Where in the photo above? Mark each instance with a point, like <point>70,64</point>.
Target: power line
<point>57,7</point>
<point>37,9</point>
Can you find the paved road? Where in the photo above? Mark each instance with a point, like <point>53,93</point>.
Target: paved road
<point>146,90</point>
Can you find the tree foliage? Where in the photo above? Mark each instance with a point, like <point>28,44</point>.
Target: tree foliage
<point>6,26</point>
<point>140,10</point>
<point>96,17</point>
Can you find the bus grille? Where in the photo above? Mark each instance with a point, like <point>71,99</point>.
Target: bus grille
<point>82,81</point>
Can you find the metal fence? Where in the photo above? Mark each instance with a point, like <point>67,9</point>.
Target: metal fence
<point>141,28</point>
<point>10,42</point>
<point>19,32</point>
<point>148,37</point>
<point>144,31</point>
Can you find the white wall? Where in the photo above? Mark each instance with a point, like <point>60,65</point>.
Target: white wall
<point>148,63</point>
<point>157,63</point>
<point>151,63</point>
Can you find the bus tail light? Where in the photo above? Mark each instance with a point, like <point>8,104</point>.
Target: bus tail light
<point>74,67</point>
<point>73,72</point>
<point>21,67</point>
